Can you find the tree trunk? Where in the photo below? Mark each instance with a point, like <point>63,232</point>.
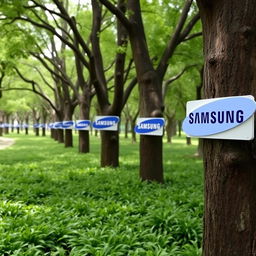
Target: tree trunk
<point>110,148</point>
<point>37,131</point>
<point>133,135</point>
<point>150,91</point>
<point>26,123</point>
<point>84,141</point>
<point>1,123</point>
<point>43,131</point>
<point>126,128</point>
<point>200,147</point>
<point>133,124</point>
<point>188,141</point>
<point>68,115</point>
<point>12,128</point>
<point>230,177</point>
<point>170,127</point>
<point>44,121</point>
<point>52,131</point>
<point>7,121</point>
<point>60,135</point>
<point>84,107</point>
<point>179,128</point>
<point>68,138</point>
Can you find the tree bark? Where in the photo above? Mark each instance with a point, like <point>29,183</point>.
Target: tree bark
<point>179,128</point>
<point>133,124</point>
<point>44,120</point>
<point>170,127</point>
<point>7,121</point>
<point>1,123</point>
<point>68,114</point>
<point>84,138</point>
<point>126,128</point>
<point>110,148</point>
<point>60,135</point>
<point>37,131</point>
<point>230,177</point>
<point>188,141</point>
<point>52,133</point>
<point>12,122</point>
<point>27,123</point>
<point>43,131</point>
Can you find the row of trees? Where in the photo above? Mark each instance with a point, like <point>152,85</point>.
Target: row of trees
<point>102,50</point>
<point>229,69</point>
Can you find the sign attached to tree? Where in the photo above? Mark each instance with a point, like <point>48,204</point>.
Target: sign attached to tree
<point>221,118</point>
<point>106,123</point>
<point>83,125</point>
<point>58,125</point>
<point>68,125</point>
<point>150,126</point>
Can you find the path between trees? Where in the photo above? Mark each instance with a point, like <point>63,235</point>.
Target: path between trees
<point>6,142</point>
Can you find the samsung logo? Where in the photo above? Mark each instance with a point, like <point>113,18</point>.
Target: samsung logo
<point>82,124</point>
<point>150,126</point>
<point>106,123</point>
<point>229,116</point>
<point>215,116</point>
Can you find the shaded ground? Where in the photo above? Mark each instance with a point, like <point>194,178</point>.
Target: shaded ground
<point>6,142</point>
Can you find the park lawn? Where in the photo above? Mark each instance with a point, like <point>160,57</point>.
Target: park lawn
<point>55,201</point>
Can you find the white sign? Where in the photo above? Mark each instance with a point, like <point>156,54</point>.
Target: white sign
<point>150,126</point>
<point>68,125</point>
<point>106,123</point>
<point>83,125</point>
<point>221,118</point>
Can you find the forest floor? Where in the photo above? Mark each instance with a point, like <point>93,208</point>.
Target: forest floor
<point>56,201</point>
<point>6,142</point>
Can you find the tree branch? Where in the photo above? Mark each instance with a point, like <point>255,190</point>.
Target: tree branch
<point>174,41</point>
<point>34,84</point>
<point>189,27</point>
<point>117,12</point>
<point>128,91</point>
<point>174,78</point>
<point>189,37</point>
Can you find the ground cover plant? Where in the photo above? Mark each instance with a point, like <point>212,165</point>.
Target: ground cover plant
<point>55,201</point>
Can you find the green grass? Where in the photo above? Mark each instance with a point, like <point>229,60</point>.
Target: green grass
<point>55,201</point>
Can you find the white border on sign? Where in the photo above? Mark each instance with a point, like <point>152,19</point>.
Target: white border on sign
<point>158,132</point>
<point>87,128</point>
<point>110,128</point>
<point>245,131</point>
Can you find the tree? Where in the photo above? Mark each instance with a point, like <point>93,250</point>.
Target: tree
<point>150,78</point>
<point>2,74</point>
<point>230,177</point>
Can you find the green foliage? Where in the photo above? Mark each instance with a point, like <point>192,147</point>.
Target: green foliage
<point>55,201</point>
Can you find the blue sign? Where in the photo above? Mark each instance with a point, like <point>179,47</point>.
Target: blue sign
<point>68,124</point>
<point>58,125</point>
<point>109,123</point>
<point>218,115</point>
<point>83,125</point>
<point>150,126</point>
<point>51,125</point>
